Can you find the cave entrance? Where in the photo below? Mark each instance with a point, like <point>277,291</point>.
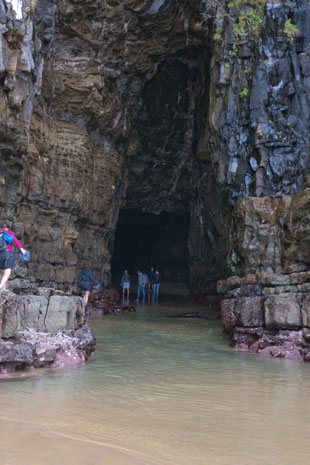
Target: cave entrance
<point>165,174</point>
<point>146,239</point>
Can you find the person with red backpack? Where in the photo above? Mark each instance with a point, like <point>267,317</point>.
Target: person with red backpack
<point>7,255</point>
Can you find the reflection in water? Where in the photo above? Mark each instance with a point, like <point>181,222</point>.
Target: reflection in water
<point>159,391</point>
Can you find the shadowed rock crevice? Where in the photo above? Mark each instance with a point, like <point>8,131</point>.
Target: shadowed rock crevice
<point>162,169</point>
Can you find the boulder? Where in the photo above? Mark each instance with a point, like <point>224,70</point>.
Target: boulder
<point>10,311</point>
<point>279,290</point>
<point>274,279</point>
<point>283,312</point>
<point>64,313</point>
<point>300,278</point>
<point>305,312</point>
<point>34,314</point>
<point>247,311</point>
<point>31,348</point>
<point>15,352</point>
<point>38,312</point>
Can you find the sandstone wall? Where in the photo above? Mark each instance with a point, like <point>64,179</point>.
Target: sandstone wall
<point>79,70</point>
<point>161,106</point>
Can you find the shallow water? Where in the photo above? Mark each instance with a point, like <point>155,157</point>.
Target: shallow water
<point>159,391</point>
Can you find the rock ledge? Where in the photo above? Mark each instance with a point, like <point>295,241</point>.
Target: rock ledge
<point>37,331</point>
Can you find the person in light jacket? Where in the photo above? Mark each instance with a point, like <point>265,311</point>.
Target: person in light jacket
<point>125,284</point>
<point>141,286</point>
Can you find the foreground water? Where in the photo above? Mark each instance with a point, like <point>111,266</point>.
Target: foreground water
<point>159,391</point>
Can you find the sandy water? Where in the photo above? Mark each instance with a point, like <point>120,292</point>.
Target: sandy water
<point>159,391</point>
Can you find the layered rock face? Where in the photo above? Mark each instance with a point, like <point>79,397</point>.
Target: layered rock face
<point>273,296</point>
<point>46,330</point>
<point>197,109</point>
<point>92,125</point>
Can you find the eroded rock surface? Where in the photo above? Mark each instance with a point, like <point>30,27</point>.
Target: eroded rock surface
<point>33,349</point>
<point>38,331</point>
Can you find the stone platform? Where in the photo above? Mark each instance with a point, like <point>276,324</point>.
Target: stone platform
<point>268,313</point>
<point>38,331</point>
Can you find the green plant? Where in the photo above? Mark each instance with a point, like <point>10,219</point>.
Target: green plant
<point>227,67</point>
<point>231,266</point>
<point>247,70</point>
<point>266,63</point>
<point>291,30</point>
<point>234,265</point>
<point>218,34</point>
<point>254,21</point>
<point>249,21</point>
<point>244,92</point>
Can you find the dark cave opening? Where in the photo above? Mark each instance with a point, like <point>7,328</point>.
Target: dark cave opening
<point>155,224</point>
<point>145,239</point>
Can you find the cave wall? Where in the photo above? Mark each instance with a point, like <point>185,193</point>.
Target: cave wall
<point>257,143</point>
<point>87,63</point>
<point>89,126</point>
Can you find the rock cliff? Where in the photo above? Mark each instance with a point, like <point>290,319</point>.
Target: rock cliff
<point>198,110</point>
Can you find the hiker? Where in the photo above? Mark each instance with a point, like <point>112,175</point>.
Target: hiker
<point>141,286</point>
<point>125,284</point>
<point>85,282</point>
<point>7,255</point>
<point>156,284</point>
<point>147,287</point>
<point>151,278</point>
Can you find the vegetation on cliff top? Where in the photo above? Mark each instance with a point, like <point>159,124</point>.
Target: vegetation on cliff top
<point>290,30</point>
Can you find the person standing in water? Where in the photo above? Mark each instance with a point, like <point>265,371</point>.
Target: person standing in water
<point>156,284</point>
<point>147,287</point>
<point>85,282</point>
<point>125,284</point>
<point>151,278</point>
<point>141,286</point>
<point>7,255</point>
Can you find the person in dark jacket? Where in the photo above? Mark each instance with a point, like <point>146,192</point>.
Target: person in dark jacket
<point>85,282</point>
<point>151,275</point>
<point>156,284</point>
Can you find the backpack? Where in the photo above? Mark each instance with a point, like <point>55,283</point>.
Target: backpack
<point>3,246</point>
<point>5,238</point>
<point>8,237</point>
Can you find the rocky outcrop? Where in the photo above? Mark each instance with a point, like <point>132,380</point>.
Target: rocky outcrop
<point>38,331</point>
<point>31,349</point>
<point>274,293</point>
<point>40,313</point>
<point>107,302</point>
